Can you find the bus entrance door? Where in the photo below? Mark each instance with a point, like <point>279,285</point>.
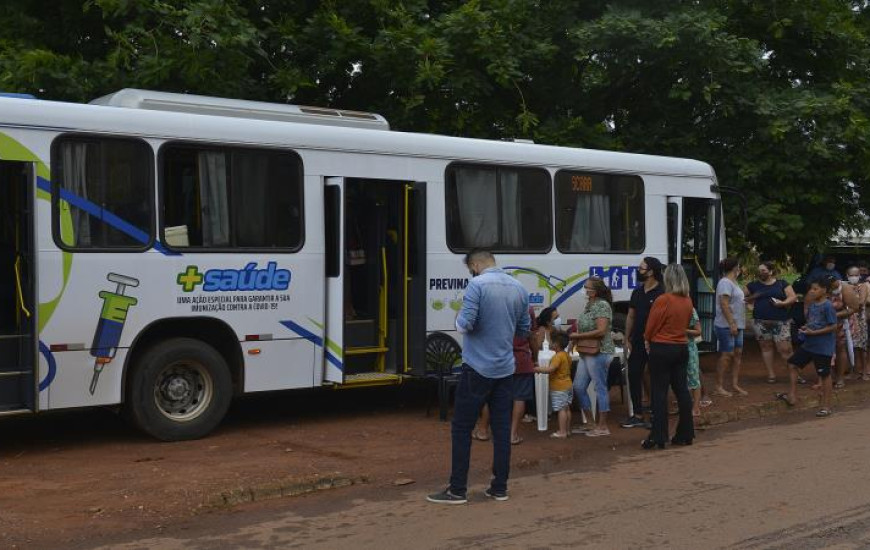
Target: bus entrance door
<point>372,293</point>
<point>697,228</point>
<point>17,307</point>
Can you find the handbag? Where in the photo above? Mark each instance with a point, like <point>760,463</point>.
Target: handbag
<point>588,346</point>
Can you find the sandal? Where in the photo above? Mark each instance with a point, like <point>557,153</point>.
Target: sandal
<point>822,413</point>
<point>722,392</point>
<point>801,380</point>
<point>784,398</point>
<point>865,378</point>
<point>479,436</point>
<point>581,429</point>
<point>771,380</point>
<point>706,402</point>
<point>839,386</point>
<point>557,435</point>
<point>517,440</point>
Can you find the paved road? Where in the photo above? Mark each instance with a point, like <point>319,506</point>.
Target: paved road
<point>797,485</point>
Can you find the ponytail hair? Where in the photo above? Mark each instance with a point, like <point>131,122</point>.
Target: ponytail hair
<point>727,265</point>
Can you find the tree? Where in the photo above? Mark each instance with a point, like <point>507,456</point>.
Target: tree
<point>774,95</point>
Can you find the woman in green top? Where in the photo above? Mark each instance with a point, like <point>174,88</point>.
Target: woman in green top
<point>594,324</point>
<point>693,369</point>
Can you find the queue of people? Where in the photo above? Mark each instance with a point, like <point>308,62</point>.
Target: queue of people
<point>502,342</point>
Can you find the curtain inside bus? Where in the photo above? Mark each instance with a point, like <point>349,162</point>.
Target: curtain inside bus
<point>75,161</point>
<point>213,198</point>
<point>477,205</point>
<point>250,180</point>
<point>490,207</point>
<point>591,229</point>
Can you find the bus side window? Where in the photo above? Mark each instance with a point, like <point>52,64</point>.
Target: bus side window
<point>218,197</point>
<point>101,193</point>
<point>503,208</point>
<point>599,212</point>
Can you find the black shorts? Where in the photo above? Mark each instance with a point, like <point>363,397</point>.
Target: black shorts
<point>524,386</point>
<point>822,362</point>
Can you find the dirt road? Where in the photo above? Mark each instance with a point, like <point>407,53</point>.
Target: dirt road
<point>78,478</point>
<point>795,485</point>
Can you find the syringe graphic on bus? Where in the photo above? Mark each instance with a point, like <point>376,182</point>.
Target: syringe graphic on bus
<point>111,323</point>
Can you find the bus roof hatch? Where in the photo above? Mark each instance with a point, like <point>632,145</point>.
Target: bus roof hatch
<point>188,103</point>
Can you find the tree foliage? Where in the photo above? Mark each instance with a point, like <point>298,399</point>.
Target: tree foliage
<point>774,95</point>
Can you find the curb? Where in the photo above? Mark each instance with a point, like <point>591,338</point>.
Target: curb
<point>777,407</point>
<point>288,487</point>
<point>295,486</point>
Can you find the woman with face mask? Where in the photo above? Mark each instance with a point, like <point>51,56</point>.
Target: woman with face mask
<point>548,321</point>
<point>858,319</point>
<point>844,297</point>
<point>770,299</point>
<point>826,269</point>
<point>596,349</point>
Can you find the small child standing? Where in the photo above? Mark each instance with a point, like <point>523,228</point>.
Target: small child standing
<point>693,368</point>
<point>561,392</point>
<point>819,345</point>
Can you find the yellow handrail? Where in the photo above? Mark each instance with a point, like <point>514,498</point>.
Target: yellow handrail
<point>382,321</point>
<point>18,287</point>
<point>704,275</point>
<point>405,280</point>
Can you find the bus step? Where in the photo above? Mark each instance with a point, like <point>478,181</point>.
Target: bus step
<point>370,379</point>
<point>11,410</point>
<point>8,373</point>
<point>14,336</point>
<point>365,350</point>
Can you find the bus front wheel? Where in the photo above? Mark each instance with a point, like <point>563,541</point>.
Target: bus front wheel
<point>179,389</point>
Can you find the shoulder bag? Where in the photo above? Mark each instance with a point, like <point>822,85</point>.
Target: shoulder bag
<point>588,346</point>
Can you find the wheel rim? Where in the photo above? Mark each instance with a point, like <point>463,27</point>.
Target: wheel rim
<point>183,390</point>
<point>442,354</point>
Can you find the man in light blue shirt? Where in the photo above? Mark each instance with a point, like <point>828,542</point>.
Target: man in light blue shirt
<point>495,308</point>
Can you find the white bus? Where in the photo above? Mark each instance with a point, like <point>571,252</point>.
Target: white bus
<point>165,252</point>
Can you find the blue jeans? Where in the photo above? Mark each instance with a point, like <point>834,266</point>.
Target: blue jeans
<point>727,342</point>
<point>472,393</point>
<point>593,368</point>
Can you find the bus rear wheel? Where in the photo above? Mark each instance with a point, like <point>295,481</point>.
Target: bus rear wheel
<point>179,389</point>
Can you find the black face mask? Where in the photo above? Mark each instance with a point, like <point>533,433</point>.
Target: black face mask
<point>642,275</point>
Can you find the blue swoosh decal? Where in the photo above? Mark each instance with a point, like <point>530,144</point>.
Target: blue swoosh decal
<point>568,293</point>
<point>106,216</point>
<point>52,366</point>
<point>316,340</point>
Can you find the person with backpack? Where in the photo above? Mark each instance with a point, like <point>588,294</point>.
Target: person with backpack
<point>771,299</point>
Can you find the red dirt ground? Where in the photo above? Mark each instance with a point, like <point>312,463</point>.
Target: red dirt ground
<point>71,477</point>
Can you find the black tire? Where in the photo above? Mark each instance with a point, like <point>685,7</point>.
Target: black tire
<point>178,389</point>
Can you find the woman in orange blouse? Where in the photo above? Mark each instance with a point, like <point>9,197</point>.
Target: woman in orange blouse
<point>667,343</point>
